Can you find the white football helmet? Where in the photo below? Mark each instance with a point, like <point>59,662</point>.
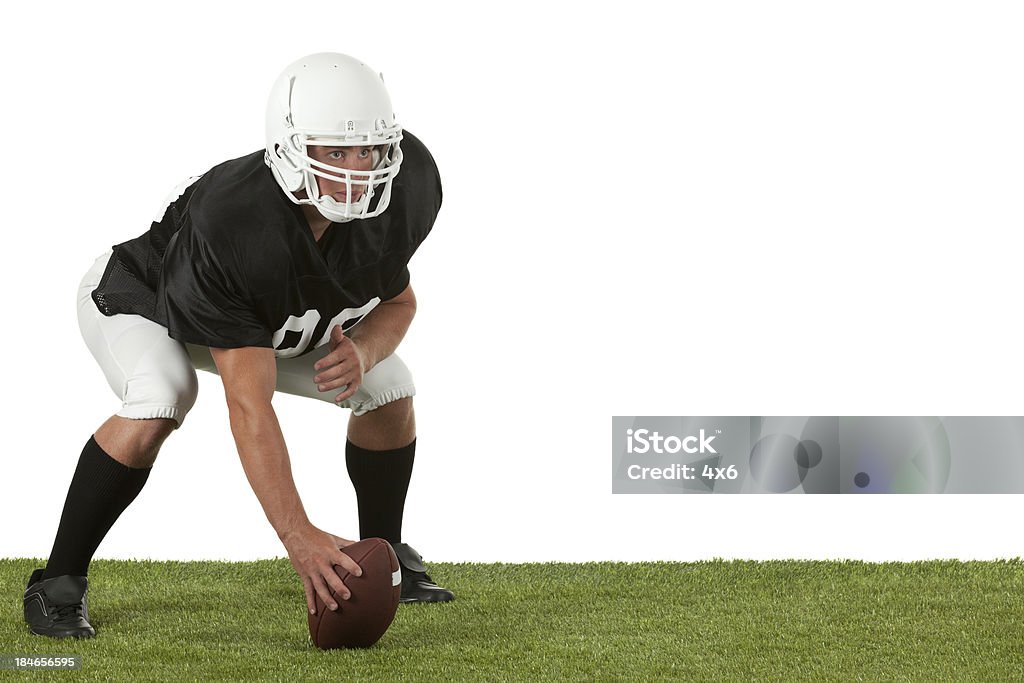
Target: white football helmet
<point>332,100</point>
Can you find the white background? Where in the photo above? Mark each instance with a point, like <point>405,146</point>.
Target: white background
<point>723,208</point>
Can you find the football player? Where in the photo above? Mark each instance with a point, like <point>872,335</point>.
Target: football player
<point>283,270</point>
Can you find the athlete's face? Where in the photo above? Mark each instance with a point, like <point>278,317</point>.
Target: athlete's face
<point>350,158</point>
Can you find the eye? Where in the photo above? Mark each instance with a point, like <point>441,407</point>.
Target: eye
<point>365,153</point>
<point>336,154</point>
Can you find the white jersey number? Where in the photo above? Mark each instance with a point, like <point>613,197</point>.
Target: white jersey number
<point>307,323</point>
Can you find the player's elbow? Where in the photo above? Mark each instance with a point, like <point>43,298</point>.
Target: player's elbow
<point>247,406</point>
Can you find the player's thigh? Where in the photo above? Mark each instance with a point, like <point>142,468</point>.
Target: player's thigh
<point>150,372</point>
<point>387,381</point>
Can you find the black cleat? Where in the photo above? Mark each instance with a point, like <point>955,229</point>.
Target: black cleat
<point>416,583</point>
<point>56,607</point>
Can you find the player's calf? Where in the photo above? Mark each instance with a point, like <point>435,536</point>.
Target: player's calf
<point>134,442</point>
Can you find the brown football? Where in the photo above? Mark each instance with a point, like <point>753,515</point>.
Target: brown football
<point>361,620</point>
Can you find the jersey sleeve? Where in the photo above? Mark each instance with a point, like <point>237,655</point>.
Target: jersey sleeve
<point>205,298</point>
<point>397,285</point>
<point>421,197</point>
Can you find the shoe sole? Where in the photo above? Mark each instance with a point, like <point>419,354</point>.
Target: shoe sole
<point>81,636</point>
<point>411,600</point>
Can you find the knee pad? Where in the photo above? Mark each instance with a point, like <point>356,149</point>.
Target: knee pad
<point>168,391</point>
<point>388,381</point>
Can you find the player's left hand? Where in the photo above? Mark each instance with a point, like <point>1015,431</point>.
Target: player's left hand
<point>344,366</point>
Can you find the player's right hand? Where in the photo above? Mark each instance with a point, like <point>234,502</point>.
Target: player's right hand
<point>313,554</point>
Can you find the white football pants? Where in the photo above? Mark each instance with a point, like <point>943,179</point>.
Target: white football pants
<point>155,376</point>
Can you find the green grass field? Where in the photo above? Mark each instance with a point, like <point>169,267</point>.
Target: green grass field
<point>716,620</point>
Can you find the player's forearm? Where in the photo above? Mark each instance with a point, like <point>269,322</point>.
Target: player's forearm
<point>264,457</point>
<point>382,330</point>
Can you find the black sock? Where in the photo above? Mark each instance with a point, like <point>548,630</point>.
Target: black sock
<point>381,480</point>
<point>100,491</point>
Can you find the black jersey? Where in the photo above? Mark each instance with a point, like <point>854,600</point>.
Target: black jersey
<point>232,262</point>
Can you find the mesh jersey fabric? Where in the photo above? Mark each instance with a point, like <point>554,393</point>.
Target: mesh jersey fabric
<point>232,261</point>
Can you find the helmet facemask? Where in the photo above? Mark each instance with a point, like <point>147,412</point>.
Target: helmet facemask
<point>376,182</point>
